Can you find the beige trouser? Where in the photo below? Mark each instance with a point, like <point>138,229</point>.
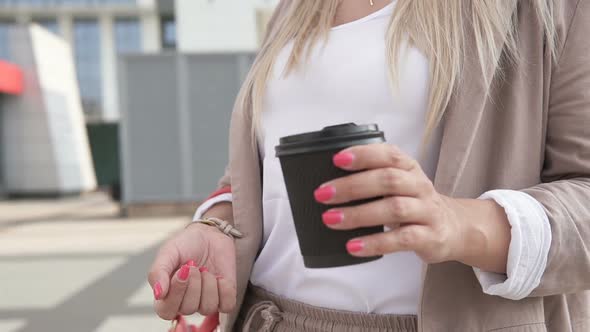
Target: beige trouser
<point>263,311</point>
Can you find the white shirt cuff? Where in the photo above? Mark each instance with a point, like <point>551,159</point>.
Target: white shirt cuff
<point>529,246</point>
<point>227,197</point>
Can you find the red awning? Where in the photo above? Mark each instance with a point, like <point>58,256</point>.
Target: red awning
<point>11,79</point>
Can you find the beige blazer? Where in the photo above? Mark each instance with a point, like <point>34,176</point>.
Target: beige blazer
<point>531,133</point>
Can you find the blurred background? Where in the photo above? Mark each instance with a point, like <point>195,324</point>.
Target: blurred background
<point>114,117</point>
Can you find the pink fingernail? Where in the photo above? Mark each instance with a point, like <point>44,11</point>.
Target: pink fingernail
<point>157,290</point>
<point>332,217</point>
<point>343,159</point>
<point>355,245</point>
<point>218,277</point>
<point>191,263</point>
<point>324,194</point>
<point>203,269</point>
<point>185,270</point>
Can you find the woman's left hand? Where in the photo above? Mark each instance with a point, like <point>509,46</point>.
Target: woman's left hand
<point>420,219</point>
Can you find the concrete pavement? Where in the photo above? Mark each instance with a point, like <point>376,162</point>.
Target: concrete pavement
<point>73,265</point>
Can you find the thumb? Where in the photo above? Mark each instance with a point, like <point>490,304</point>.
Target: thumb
<point>167,261</point>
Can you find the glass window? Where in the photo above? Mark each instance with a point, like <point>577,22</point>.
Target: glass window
<point>127,36</point>
<point>4,44</point>
<point>168,32</point>
<point>49,24</point>
<point>88,64</point>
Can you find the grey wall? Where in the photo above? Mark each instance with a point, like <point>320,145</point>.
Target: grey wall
<point>175,114</point>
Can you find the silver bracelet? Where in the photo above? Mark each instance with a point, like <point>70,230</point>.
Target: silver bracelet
<point>224,226</point>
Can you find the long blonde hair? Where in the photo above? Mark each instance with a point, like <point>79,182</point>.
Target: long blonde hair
<point>436,27</point>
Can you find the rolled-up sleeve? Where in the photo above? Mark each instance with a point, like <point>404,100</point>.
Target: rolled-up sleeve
<point>529,246</point>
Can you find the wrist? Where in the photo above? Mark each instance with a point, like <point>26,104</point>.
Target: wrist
<point>471,236</point>
<point>484,234</point>
<point>465,235</point>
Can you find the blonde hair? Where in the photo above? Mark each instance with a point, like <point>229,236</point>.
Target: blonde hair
<point>436,27</point>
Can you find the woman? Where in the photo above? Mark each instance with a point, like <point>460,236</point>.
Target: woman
<point>485,108</point>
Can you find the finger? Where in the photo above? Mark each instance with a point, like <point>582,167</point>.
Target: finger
<point>372,183</point>
<point>209,293</point>
<point>407,238</point>
<point>181,325</point>
<point>192,297</point>
<point>386,211</point>
<point>168,307</point>
<point>227,294</point>
<point>372,156</point>
<point>166,262</point>
<point>226,267</point>
<point>210,323</point>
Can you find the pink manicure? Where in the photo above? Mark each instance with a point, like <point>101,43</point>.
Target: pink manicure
<point>355,245</point>
<point>203,269</point>
<point>343,159</point>
<point>332,217</point>
<point>185,270</point>
<point>157,290</point>
<point>324,194</point>
<point>191,263</point>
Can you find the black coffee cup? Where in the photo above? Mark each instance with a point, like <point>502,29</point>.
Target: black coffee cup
<point>306,161</point>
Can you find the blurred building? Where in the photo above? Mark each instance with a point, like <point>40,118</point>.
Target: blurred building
<point>174,66</point>
<point>101,30</point>
<point>44,145</point>
<point>221,25</point>
<point>97,31</point>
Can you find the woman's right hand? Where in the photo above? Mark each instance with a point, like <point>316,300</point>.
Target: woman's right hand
<point>207,286</point>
